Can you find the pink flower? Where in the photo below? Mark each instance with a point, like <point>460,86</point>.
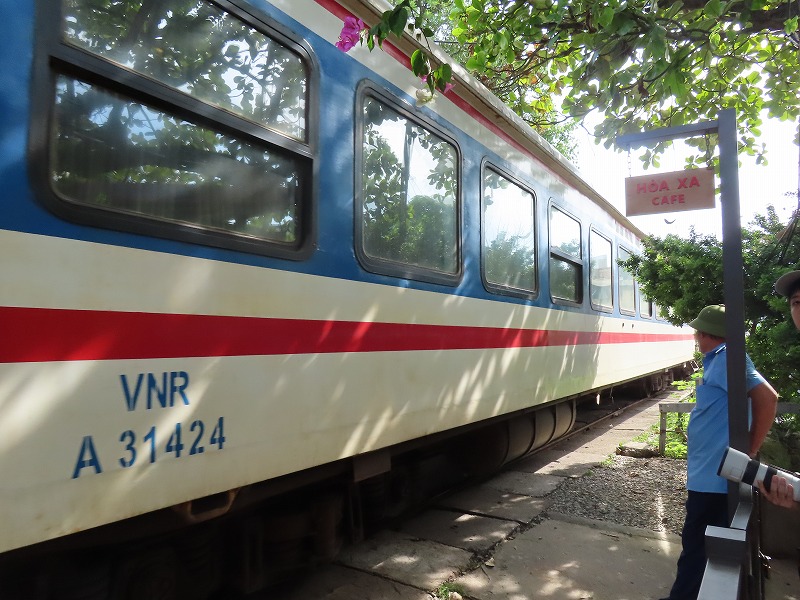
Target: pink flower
<point>351,33</point>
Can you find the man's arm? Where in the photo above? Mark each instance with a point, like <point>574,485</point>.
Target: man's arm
<point>764,403</point>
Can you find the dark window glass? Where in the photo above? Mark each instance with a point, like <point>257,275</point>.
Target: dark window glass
<point>194,47</point>
<point>509,234</point>
<point>409,188</point>
<point>645,307</point>
<point>110,152</point>
<point>627,286</point>
<point>566,267</point>
<point>600,271</point>
<point>179,119</point>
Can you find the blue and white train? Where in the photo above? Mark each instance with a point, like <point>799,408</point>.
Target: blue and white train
<point>252,292</point>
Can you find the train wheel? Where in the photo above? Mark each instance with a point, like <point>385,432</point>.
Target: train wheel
<point>150,575</point>
<point>544,426</point>
<point>90,579</point>
<point>328,518</point>
<point>481,452</point>
<point>200,572</point>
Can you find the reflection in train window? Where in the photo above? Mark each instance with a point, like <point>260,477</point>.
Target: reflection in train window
<point>645,307</point>
<point>409,188</point>
<point>112,153</point>
<point>627,286</point>
<point>509,234</point>
<point>181,120</point>
<point>197,48</point>
<point>600,272</point>
<point>566,266</point>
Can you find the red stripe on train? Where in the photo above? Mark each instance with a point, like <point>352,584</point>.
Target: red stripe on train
<point>44,335</point>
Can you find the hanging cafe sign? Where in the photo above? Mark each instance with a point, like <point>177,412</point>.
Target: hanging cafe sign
<point>691,189</point>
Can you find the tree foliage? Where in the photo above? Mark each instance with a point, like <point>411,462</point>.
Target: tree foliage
<point>686,274</point>
<point>642,63</point>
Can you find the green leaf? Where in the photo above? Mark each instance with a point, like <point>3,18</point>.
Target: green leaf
<point>606,17</point>
<point>419,63</point>
<point>713,8</point>
<point>476,62</point>
<point>397,20</point>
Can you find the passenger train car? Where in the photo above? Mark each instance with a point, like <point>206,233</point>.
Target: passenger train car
<point>254,297</point>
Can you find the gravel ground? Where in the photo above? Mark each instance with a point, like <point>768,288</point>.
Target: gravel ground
<point>648,493</point>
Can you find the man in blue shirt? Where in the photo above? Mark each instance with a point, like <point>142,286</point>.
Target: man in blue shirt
<point>707,435</point>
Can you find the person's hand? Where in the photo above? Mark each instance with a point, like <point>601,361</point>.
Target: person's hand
<point>781,493</point>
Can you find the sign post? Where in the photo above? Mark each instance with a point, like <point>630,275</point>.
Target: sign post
<point>732,263</point>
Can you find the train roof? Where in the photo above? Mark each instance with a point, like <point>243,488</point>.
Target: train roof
<point>512,125</point>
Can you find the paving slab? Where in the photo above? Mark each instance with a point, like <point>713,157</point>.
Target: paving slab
<point>639,422</point>
<point>469,532</point>
<point>583,441</point>
<point>554,462</point>
<point>496,503</point>
<point>406,559</point>
<point>612,438</point>
<point>336,582</point>
<point>561,560</point>
<point>525,484</point>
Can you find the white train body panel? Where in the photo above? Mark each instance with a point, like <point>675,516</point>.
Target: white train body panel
<point>137,373</point>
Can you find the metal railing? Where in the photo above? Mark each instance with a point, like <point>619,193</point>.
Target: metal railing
<point>734,568</point>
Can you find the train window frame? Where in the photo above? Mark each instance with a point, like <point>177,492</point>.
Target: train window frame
<point>662,314</point>
<point>594,234</point>
<point>384,266</point>
<point>57,58</point>
<point>645,301</point>
<point>496,287</point>
<point>624,310</point>
<point>559,255</point>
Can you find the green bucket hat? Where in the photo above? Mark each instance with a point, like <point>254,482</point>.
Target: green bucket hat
<point>711,320</point>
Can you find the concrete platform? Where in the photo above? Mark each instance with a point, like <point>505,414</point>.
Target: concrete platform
<point>497,542</point>
<point>561,559</point>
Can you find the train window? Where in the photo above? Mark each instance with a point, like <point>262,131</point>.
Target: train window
<point>182,120</point>
<point>225,183</point>
<point>195,47</point>
<point>645,307</point>
<point>509,235</point>
<point>627,286</point>
<point>600,272</point>
<point>408,215</point>
<point>566,266</point>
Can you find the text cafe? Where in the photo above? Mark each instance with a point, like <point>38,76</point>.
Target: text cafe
<point>669,192</point>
